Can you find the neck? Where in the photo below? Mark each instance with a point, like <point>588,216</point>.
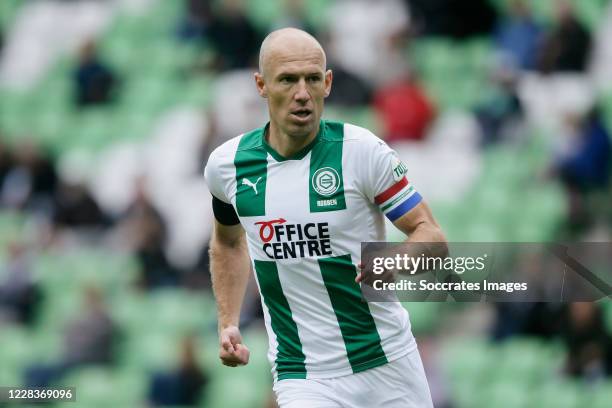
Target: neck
<point>287,145</point>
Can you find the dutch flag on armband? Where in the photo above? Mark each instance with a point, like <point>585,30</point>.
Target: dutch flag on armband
<point>398,199</point>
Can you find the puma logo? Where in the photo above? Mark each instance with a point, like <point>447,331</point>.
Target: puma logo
<point>247,182</point>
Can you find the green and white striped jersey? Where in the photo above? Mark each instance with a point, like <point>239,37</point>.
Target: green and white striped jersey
<point>305,218</point>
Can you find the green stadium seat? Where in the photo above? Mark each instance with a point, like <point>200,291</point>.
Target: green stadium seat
<point>15,351</point>
<point>470,358</point>
<point>600,396</point>
<point>527,361</point>
<point>8,11</point>
<point>223,392</point>
<point>264,12</point>
<point>150,350</point>
<point>423,316</point>
<point>505,394</point>
<point>558,394</point>
<point>198,91</point>
<point>317,13</point>
<point>173,311</point>
<point>101,388</point>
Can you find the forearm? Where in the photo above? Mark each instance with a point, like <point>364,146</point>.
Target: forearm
<point>428,233</point>
<point>230,269</point>
<point>426,240</point>
<point>430,238</point>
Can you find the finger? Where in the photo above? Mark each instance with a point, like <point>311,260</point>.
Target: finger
<point>237,355</point>
<point>229,359</point>
<point>359,277</point>
<point>233,363</point>
<point>226,343</point>
<point>228,363</point>
<point>242,354</point>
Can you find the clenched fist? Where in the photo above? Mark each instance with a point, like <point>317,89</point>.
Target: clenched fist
<point>231,351</point>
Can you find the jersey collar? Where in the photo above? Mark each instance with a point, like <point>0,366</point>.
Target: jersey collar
<point>300,154</point>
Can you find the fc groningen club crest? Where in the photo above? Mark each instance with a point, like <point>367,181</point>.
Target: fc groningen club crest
<point>326,181</point>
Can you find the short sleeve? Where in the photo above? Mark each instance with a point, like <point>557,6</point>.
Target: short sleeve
<point>387,184</point>
<point>214,181</point>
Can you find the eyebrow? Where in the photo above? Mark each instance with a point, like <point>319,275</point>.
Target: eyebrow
<point>297,74</point>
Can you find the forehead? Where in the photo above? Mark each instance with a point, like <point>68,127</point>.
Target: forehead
<point>285,60</point>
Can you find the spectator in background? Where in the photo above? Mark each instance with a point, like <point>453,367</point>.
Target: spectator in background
<point>349,90</point>
<point>405,109</point>
<point>457,19</point>
<point>88,339</point>
<point>233,37</point>
<point>183,386</point>
<point>567,48</point>
<point>19,293</point>
<point>32,180</point>
<point>147,232</point>
<point>519,35</point>
<point>376,26</point>
<point>500,110</point>
<point>6,163</point>
<point>198,276</point>
<point>197,17</point>
<point>236,106</point>
<point>294,15</point>
<point>584,164</point>
<point>74,207</point>
<point>589,346</point>
<point>94,81</point>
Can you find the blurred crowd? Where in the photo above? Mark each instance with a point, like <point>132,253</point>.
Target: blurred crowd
<point>368,47</point>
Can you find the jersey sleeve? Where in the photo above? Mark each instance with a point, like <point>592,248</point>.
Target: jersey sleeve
<point>224,213</point>
<point>387,184</point>
<point>214,179</point>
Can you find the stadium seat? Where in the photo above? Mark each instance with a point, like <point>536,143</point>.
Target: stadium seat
<point>101,388</point>
<point>505,394</point>
<point>559,394</point>
<point>422,316</point>
<point>15,351</point>
<point>599,397</point>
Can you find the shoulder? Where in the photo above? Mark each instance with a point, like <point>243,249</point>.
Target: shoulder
<point>361,135</point>
<point>226,152</point>
<point>220,170</point>
<point>357,138</point>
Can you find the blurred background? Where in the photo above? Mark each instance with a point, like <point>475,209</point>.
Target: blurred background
<point>501,109</point>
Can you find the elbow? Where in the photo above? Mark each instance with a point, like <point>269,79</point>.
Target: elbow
<point>219,244</point>
<point>440,243</point>
<point>436,240</point>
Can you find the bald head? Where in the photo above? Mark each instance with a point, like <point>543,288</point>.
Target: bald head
<point>285,42</point>
<point>293,78</point>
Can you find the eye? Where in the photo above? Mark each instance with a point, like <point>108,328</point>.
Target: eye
<point>286,80</point>
<point>314,78</point>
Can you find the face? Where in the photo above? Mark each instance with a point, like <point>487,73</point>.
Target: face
<point>295,84</point>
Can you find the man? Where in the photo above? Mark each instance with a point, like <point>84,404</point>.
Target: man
<point>302,193</point>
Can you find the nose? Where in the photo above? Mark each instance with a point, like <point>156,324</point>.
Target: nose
<point>301,94</point>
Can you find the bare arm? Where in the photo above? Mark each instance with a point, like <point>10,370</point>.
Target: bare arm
<point>230,269</point>
<point>424,234</point>
<point>420,226</point>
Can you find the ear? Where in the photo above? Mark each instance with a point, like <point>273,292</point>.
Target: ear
<point>261,85</point>
<point>328,82</point>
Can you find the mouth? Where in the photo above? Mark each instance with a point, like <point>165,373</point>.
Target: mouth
<point>301,115</point>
